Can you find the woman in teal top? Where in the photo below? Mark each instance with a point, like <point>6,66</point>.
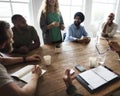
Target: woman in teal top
<point>51,22</point>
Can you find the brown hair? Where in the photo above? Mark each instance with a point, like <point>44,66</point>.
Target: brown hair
<point>4,26</point>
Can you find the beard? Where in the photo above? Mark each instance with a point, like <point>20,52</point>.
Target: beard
<point>77,23</point>
<point>7,49</point>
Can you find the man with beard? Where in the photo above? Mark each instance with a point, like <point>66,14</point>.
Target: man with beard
<point>76,31</point>
<point>25,36</point>
<point>7,85</point>
<point>109,28</point>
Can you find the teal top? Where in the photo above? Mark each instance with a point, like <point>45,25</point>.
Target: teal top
<point>55,32</point>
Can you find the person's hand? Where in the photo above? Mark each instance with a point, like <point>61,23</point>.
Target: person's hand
<point>79,40</point>
<point>62,27</point>
<point>114,46</point>
<point>23,50</point>
<point>86,40</point>
<point>36,72</point>
<point>105,35</point>
<point>68,77</point>
<point>108,21</point>
<point>55,24</point>
<point>34,57</point>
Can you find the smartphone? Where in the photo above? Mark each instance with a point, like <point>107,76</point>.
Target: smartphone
<point>80,68</point>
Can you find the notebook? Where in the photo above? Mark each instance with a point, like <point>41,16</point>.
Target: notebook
<point>25,73</point>
<point>95,78</point>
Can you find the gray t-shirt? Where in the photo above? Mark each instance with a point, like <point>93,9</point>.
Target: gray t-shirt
<point>4,76</point>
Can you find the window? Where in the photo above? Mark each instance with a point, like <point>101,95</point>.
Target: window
<point>11,7</point>
<point>68,8</point>
<point>96,11</point>
<point>101,9</point>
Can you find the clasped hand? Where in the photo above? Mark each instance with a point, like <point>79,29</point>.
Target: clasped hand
<point>55,24</point>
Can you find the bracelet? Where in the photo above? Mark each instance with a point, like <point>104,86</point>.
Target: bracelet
<point>24,59</point>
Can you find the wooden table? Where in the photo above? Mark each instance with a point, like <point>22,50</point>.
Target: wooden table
<point>51,84</point>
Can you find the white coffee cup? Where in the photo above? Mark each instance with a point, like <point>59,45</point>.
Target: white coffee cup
<point>47,59</point>
<point>93,62</point>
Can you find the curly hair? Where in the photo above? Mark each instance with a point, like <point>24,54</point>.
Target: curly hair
<point>4,26</point>
<point>46,8</point>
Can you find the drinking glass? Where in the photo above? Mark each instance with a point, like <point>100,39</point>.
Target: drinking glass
<point>101,58</point>
<point>102,51</point>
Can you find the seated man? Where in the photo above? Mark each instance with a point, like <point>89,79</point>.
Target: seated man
<point>109,28</point>
<point>25,36</point>
<point>76,30</point>
<point>7,86</point>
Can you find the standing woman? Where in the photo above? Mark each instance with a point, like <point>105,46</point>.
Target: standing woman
<point>51,22</point>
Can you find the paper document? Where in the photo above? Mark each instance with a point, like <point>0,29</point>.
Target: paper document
<point>92,79</point>
<point>98,76</point>
<point>25,73</point>
<point>105,73</point>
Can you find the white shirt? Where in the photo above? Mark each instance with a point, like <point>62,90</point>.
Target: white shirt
<point>110,30</point>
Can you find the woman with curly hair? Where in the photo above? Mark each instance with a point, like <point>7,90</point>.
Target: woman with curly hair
<point>51,22</point>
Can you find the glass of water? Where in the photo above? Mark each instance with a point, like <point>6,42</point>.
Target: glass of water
<point>101,58</point>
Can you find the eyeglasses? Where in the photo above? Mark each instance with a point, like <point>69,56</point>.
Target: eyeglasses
<point>100,53</point>
<point>98,50</point>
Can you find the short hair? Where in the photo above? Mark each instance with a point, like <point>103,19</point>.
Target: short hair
<point>3,31</point>
<point>15,17</point>
<point>81,15</point>
<point>111,15</point>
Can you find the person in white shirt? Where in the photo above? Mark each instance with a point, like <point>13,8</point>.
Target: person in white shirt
<point>109,28</point>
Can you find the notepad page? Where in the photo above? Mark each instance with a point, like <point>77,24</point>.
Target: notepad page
<point>92,79</point>
<point>28,76</point>
<point>104,73</point>
<point>20,73</point>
